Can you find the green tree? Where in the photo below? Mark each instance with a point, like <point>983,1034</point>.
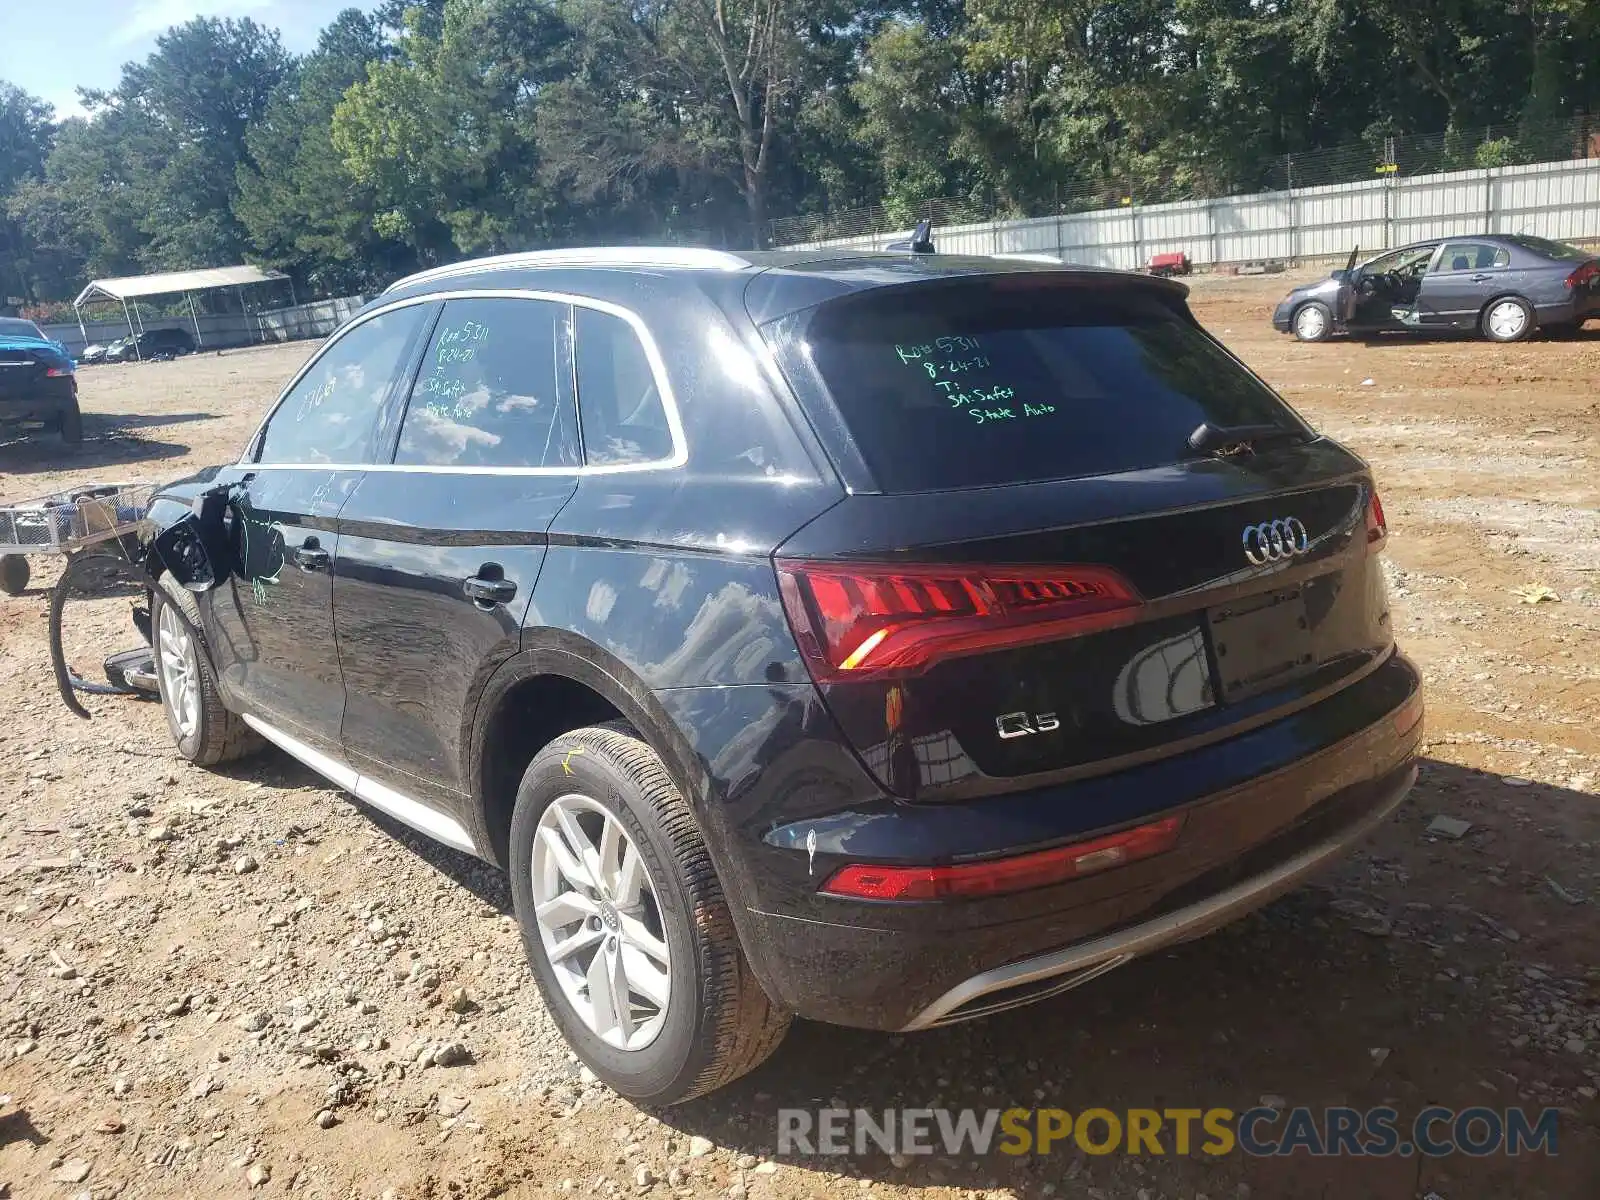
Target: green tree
<point>26,132</point>
<point>301,206</point>
<point>186,110</point>
<point>443,131</point>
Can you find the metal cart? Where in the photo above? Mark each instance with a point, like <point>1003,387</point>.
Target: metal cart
<point>67,522</point>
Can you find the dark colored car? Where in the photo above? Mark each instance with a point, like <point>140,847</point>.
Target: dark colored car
<point>153,345</point>
<point>885,639</point>
<point>38,383</point>
<point>1501,287</point>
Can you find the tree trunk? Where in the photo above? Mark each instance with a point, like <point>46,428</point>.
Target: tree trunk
<point>755,198</point>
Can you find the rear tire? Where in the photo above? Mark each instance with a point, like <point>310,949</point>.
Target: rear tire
<point>1508,319</point>
<point>663,921</point>
<point>1312,322</point>
<point>14,573</point>
<point>72,426</point>
<point>202,728</point>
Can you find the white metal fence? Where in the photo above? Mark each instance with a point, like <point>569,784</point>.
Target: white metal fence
<point>220,331</point>
<point>1555,200</point>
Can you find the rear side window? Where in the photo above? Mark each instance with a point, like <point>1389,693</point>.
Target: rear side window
<point>489,391</point>
<point>619,398</point>
<point>1001,382</point>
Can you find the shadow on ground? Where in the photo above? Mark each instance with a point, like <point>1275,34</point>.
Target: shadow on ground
<point>1305,1001</point>
<point>103,445</point>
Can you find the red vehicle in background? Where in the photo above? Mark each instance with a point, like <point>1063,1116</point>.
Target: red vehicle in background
<point>1169,264</point>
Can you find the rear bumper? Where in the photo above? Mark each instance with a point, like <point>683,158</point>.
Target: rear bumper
<point>44,401</point>
<point>1033,979</point>
<point>915,966</point>
<point>1569,310</point>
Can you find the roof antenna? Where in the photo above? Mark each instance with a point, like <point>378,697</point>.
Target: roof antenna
<point>922,238</point>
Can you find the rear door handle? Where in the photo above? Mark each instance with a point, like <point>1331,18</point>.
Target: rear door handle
<point>488,591</point>
<point>1481,278</point>
<point>309,556</point>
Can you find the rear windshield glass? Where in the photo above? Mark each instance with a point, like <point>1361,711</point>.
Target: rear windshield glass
<point>1557,250</point>
<point>16,327</point>
<point>980,384</point>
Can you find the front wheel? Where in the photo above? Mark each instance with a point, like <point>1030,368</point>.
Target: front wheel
<point>203,729</point>
<point>1313,322</point>
<point>624,921</point>
<point>1508,319</point>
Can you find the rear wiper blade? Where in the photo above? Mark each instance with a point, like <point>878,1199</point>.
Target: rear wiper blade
<point>1235,439</point>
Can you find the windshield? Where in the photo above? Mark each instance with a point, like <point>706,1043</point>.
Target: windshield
<point>17,327</point>
<point>1556,250</point>
<point>989,383</point>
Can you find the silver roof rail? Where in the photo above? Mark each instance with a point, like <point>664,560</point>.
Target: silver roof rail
<point>688,257</point>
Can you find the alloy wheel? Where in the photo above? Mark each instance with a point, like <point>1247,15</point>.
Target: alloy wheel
<point>600,922</point>
<point>180,672</point>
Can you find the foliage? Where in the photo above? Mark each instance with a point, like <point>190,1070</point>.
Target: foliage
<point>433,129</point>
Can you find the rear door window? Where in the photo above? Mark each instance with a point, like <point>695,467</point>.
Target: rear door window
<point>1471,256</point>
<point>998,382</point>
<point>490,392</point>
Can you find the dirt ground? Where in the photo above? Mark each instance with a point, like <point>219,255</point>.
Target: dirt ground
<point>170,1026</point>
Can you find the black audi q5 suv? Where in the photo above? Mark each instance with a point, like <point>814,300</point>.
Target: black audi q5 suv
<point>887,640</point>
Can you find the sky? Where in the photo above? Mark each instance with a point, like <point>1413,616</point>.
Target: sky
<point>63,45</point>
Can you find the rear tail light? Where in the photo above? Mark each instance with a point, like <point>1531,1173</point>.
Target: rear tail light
<point>1584,275</point>
<point>1377,527</point>
<point>57,372</point>
<point>997,876</point>
<point>855,620</point>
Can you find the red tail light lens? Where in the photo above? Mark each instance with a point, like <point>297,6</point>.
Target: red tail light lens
<point>57,372</point>
<point>1377,527</point>
<point>994,877</point>
<point>1584,275</point>
<point>855,620</point>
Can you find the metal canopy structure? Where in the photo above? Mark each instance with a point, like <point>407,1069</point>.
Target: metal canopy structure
<point>172,283</point>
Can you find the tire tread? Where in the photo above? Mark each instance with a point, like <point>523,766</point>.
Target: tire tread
<point>744,1027</point>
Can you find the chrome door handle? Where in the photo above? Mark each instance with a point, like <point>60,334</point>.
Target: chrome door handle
<point>488,592</point>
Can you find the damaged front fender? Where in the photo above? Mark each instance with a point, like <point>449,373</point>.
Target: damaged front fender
<point>184,548</point>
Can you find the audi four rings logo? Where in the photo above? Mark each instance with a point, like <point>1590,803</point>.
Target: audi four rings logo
<point>1275,541</point>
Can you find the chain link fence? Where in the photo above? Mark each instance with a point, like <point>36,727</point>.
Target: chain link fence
<point>1373,158</point>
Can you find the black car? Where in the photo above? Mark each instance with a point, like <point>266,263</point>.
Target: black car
<point>1501,287</point>
<point>885,639</point>
<point>153,345</point>
<point>38,382</point>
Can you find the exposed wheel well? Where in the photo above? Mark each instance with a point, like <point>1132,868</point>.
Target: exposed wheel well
<point>529,717</point>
